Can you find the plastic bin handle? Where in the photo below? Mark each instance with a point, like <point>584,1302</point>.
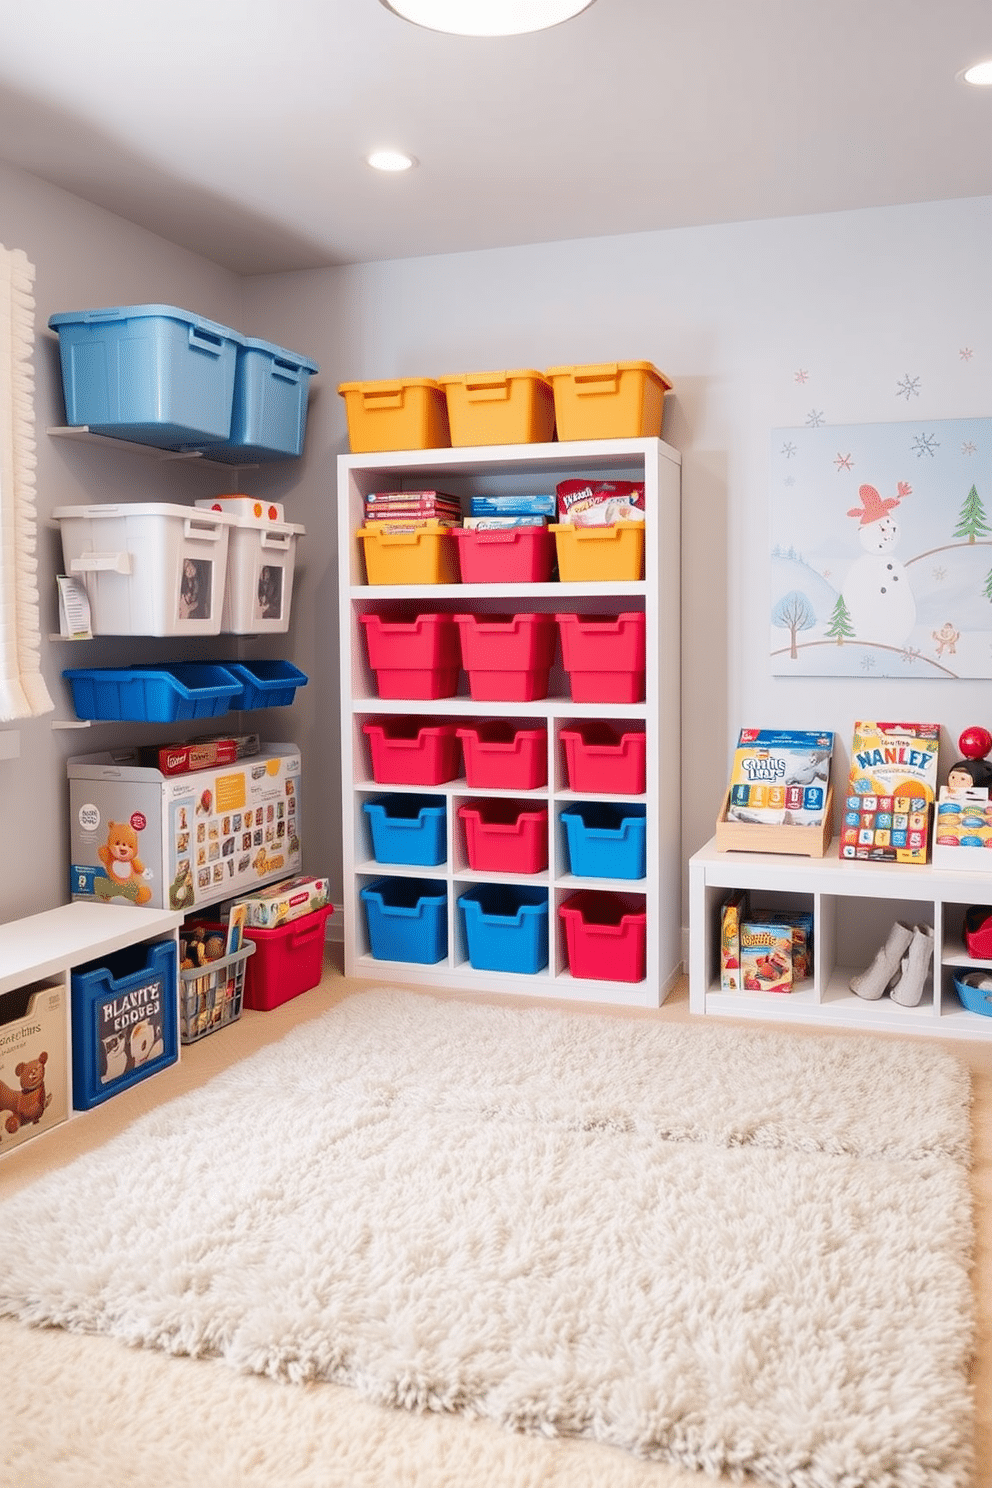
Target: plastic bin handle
<point>202,531</point>
<point>208,341</point>
<point>288,371</point>
<point>383,397</point>
<point>280,540</point>
<point>602,379</point>
<point>106,562</point>
<point>492,389</point>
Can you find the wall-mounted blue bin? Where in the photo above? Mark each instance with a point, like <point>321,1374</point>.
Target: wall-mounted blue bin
<point>152,374</point>
<point>155,694</point>
<point>408,829</point>
<point>269,414</point>
<point>124,1021</point>
<point>407,919</point>
<point>265,684</point>
<point>606,840</point>
<point>506,927</point>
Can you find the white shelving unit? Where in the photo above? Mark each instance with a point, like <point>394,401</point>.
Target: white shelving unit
<point>854,905</point>
<point>502,469</point>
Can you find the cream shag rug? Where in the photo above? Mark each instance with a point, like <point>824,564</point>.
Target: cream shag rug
<point>734,1251</point>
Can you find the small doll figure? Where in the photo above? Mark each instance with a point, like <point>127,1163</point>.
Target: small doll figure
<point>974,772</point>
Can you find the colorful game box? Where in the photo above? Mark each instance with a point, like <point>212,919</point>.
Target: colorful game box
<point>962,836</point>
<point>780,776</point>
<point>801,921</point>
<point>891,790</point>
<point>766,956</point>
<point>734,906</point>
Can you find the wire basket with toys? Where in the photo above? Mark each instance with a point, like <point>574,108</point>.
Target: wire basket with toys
<point>212,961</point>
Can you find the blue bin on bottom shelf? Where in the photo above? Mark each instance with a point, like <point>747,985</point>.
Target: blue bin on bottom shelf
<point>506,927</point>
<point>408,829</point>
<point>265,684</point>
<point>407,919</point>
<point>124,1021</point>
<point>154,694</point>
<point>606,840</point>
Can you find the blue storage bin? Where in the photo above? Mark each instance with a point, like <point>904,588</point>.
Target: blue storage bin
<point>506,927</point>
<point>155,694</point>
<point>975,998</point>
<point>407,919</point>
<point>265,684</point>
<point>124,1021</point>
<point>269,415</point>
<point>606,840</point>
<point>408,829</point>
<point>153,374</point>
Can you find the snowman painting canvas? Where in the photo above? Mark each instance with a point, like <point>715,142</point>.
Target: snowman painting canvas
<point>881,550</point>
<point>877,591</point>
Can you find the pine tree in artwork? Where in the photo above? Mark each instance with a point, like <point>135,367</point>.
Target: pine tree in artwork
<point>840,628</point>
<point>971,518</point>
<point>987,591</point>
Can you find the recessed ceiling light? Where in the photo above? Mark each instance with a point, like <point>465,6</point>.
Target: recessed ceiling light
<point>390,160</point>
<point>980,74</point>
<point>486,17</point>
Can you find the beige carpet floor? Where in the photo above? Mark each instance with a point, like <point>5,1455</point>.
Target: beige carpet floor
<point>77,1411</point>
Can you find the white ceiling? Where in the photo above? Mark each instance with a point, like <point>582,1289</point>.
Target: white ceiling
<point>238,127</point>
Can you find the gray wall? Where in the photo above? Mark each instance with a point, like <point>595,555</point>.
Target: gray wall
<point>856,301</point>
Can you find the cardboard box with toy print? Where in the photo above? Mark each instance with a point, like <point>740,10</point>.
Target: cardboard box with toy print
<point>34,1069</point>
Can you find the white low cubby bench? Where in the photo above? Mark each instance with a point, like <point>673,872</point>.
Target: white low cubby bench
<point>854,906</point>
<point>42,950</point>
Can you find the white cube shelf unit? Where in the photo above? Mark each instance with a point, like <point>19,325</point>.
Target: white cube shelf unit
<point>499,470</point>
<point>854,906</point>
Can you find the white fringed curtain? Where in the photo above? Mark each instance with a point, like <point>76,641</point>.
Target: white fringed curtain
<point>23,693</point>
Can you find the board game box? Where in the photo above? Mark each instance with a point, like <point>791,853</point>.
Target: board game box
<point>766,956</point>
<point>780,777</point>
<point>891,789</point>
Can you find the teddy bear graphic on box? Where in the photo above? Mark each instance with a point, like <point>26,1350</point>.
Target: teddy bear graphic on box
<point>124,870</point>
<point>28,1104</point>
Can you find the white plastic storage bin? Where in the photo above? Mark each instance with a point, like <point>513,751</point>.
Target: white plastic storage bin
<point>261,562</point>
<point>150,568</point>
<point>152,374</point>
<point>269,415</point>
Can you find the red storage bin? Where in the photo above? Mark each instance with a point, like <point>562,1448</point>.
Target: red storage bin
<point>408,752</point>
<point>504,837</point>
<point>606,940</point>
<point>413,659</point>
<point>287,961</point>
<point>604,656</point>
<point>508,657</point>
<point>499,756</point>
<point>505,555</point>
<point>604,762</point>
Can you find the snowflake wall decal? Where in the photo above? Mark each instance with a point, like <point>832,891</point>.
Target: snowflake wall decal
<point>925,444</point>
<point>966,353</point>
<point>814,418</point>
<point>802,375</point>
<point>908,388</point>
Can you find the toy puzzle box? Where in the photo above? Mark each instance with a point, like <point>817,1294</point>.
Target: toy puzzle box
<point>181,841</point>
<point>891,788</point>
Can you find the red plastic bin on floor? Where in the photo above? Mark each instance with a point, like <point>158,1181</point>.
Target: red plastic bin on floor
<point>505,555</point>
<point>604,762</point>
<point>606,940</point>
<point>413,658</point>
<point>287,961</point>
<point>604,656</point>
<point>408,752</point>
<point>505,837</point>
<point>508,657</point>
<point>500,756</point>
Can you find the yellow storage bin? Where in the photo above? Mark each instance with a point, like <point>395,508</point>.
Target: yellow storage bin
<point>397,554</point>
<point>399,415</point>
<point>615,400</point>
<point>593,555</point>
<point>500,408</point>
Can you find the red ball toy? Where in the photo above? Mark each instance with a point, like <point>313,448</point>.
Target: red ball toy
<point>975,742</point>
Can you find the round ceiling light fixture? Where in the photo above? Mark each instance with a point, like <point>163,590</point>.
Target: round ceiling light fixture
<point>390,160</point>
<point>486,17</point>
<point>980,75</point>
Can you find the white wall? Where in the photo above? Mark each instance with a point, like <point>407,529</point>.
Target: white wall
<point>857,300</point>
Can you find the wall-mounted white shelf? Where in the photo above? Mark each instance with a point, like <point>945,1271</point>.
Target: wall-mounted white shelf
<point>854,906</point>
<point>83,434</point>
<point>493,470</point>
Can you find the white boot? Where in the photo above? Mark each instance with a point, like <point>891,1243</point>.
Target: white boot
<point>915,965</point>
<point>871,983</point>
